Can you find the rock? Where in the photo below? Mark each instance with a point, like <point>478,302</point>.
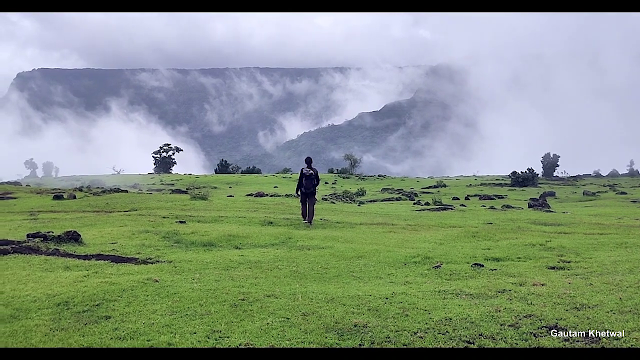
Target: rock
<point>467,197</point>
<point>486,197</point>
<point>547,194</point>
<point>621,193</point>
<point>463,205</point>
<point>58,196</point>
<point>507,206</point>
<point>275,187</point>
<point>588,193</point>
<point>477,265</point>
<point>455,198</point>
<point>492,208</point>
<point>538,204</point>
<point>438,208</point>
<point>181,221</point>
<point>417,202</point>
<point>178,191</point>
<point>229,195</point>
<point>483,205</point>
<point>71,196</point>
<point>437,266</point>
<point>259,194</point>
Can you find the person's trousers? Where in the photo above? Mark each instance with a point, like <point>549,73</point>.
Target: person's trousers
<point>308,202</point>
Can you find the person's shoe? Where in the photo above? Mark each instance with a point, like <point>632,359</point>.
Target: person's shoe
<point>305,221</point>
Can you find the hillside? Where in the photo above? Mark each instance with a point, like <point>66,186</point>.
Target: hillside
<point>251,116</point>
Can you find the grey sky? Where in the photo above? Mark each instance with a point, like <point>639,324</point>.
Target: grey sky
<point>572,75</point>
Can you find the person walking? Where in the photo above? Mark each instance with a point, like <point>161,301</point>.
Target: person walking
<point>308,182</point>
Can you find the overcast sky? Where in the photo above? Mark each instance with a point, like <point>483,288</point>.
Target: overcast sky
<point>564,81</point>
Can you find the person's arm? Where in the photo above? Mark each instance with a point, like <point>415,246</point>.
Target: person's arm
<point>299,186</point>
<point>317,179</point>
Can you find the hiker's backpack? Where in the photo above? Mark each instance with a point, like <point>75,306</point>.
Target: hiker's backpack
<point>308,180</point>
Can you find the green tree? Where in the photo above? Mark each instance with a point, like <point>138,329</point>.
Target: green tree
<point>163,158</point>
<point>549,164</point>
<point>251,170</point>
<point>223,167</point>
<point>56,171</point>
<point>353,162</point>
<point>32,166</point>
<point>47,169</point>
<point>285,171</point>
<point>630,170</point>
<point>235,169</point>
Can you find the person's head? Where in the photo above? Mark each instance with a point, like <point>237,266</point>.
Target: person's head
<point>308,160</point>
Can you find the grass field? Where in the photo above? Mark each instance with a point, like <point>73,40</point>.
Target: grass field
<point>245,271</point>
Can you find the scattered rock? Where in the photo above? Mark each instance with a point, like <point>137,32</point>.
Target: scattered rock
<point>477,265</point>
<point>417,202</point>
<point>455,198</point>
<point>622,193</point>
<point>17,247</point>
<point>507,207</point>
<point>437,266</point>
<point>411,195</point>
<point>588,193</point>
<point>179,191</point>
<point>437,208</point>
<point>229,195</point>
<point>114,190</point>
<point>69,236</point>
<point>546,194</point>
<point>483,205</point>
<point>71,196</point>
<point>58,196</point>
<point>538,204</point>
<point>467,197</point>
<point>275,187</point>
<point>181,221</point>
<point>5,196</point>
<point>463,205</point>
<point>492,208</point>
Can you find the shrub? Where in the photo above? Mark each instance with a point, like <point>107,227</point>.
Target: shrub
<point>251,170</point>
<point>199,194</point>
<point>524,178</point>
<point>436,201</point>
<point>440,184</point>
<point>331,170</point>
<point>285,171</point>
<point>360,192</point>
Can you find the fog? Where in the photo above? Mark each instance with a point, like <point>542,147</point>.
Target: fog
<point>564,83</point>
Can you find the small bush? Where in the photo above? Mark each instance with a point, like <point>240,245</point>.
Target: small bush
<point>361,192</point>
<point>331,170</point>
<point>199,194</point>
<point>349,195</point>
<point>440,184</point>
<point>251,170</point>
<point>436,201</point>
<point>285,171</point>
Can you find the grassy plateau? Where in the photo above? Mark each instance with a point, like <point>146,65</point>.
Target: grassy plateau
<point>245,271</point>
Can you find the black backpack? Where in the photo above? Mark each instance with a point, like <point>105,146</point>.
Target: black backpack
<point>308,180</point>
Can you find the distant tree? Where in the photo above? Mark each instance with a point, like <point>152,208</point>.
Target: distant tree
<point>47,169</point>
<point>343,170</point>
<point>285,171</point>
<point>331,170</point>
<point>549,164</point>
<point>613,173</point>
<point>116,171</point>
<point>597,173</point>
<point>223,167</point>
<point>163,158</point>
<point>524,178</point>
<point>32,166</point>
<point>235,169</point>
<point>56,171</point>
<point>353,162</point>
<point>251,170</point>
<point>630,170</point>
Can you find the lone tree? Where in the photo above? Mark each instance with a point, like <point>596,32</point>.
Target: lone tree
<point>524,178</point>
<point>630,169</point>
<point>32,167</point>
<point>116,171</point>
<point>353,162</point>
<point>56,171</point>
<point>163,158</point>
<point>47,169</point>
<point>549,164</point>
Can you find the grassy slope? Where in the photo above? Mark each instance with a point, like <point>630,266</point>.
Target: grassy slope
<point>245,271</point>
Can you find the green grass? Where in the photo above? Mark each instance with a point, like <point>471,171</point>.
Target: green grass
<point>246,271</point>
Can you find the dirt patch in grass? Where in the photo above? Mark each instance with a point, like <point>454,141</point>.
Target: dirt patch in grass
<point>12,247</point>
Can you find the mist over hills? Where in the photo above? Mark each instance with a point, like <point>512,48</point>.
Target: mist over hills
<point>267,117</point>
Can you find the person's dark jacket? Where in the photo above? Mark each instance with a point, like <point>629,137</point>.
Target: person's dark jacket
<point>299,187</point>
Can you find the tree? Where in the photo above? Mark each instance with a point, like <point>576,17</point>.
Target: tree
<point>163,158</point>
<point>597,173</point>
<point>47,169</point>
<point>549,164</point>
<point>331,170</point>
<point>56,171</point>
<point>235,168</point>
<point>630,170</point>
<point>32,167</point>
<point>353,162</point>
<point>285,171</point>
<point>223,167</point>
<point>251,170</point>
<point>613,173</point>
<point>524,178</point>
<point>116,171</point>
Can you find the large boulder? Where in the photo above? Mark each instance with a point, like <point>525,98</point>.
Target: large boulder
<point>538,204</point>
<point>588,193</point>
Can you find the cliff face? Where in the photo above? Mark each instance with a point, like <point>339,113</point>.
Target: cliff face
<point>251,116</point>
